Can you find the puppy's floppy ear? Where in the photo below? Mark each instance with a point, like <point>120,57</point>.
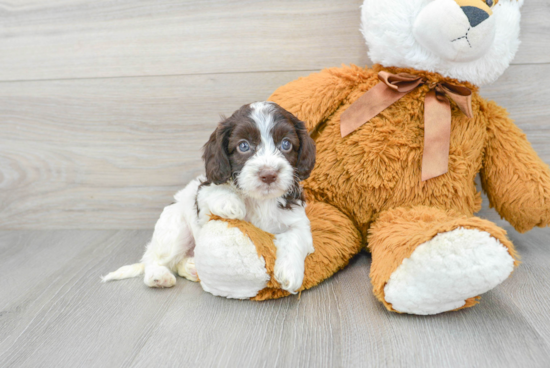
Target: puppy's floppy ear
<point>306,154</point>
<point>216,154</point>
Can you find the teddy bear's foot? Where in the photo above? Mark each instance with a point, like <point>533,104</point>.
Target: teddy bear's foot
<point>445,271</point>
<point>235,259</point>
<point>227,261</point>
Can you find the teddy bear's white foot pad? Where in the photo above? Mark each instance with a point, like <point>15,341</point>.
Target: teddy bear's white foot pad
<point>227,262</point>
<point>445,271</point>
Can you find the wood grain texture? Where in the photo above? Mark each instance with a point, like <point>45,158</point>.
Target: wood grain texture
<point>60,320</point>
<point>524,90</point>
<point>59,314</point>
<point>529,293</point>
<point>110,153</point>
<point>89,39</point>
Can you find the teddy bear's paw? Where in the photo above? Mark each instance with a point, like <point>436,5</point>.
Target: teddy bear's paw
<point>228,262</point>
<point>187,269</point>
<point>159,277</point>
<point>290,274</point>
<point>445,271</point>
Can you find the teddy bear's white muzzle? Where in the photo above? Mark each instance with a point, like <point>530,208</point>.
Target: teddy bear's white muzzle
<point>455,30</point>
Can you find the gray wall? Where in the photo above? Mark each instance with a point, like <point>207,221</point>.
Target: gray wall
<point>104,105</point>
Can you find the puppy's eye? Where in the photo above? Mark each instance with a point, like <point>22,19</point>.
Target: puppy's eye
<point>243,146</point>
<point>286,145</point>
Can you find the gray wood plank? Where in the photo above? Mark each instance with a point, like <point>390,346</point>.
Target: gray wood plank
<point>28,256</point>
<point>535,33</point>
<point>531,291</point>
<point>290,332</point>
<point>110,153</point>
<point>523,91</point>
<point>68,318</point>
<point>493,334</point>
<point>90,39</point>
<point>340,323</point>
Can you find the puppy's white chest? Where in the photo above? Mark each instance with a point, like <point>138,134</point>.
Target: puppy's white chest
<point>266,215</point>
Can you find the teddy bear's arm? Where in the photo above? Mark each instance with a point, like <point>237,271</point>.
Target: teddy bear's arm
<point>515,179</point>
<point>315,97</point>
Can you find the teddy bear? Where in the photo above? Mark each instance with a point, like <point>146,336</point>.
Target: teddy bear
<point>399,146</point>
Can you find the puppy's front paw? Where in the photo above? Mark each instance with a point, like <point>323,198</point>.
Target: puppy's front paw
<point>290,274</point>
<point>159,277</point>
<point>230,208</point>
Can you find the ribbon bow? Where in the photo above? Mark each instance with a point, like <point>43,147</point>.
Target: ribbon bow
<point>437,114</point>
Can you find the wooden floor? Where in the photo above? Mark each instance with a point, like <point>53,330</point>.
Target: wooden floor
<point>55,312</point>
<point>105,105</point>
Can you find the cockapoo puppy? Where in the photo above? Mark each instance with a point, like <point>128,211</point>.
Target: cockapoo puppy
<point>254,162</point>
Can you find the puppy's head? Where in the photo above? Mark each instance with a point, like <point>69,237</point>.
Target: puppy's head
<point>263,148</point>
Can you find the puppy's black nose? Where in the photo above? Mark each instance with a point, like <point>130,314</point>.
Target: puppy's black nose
<point>475,15</point>
<point>268,176</point>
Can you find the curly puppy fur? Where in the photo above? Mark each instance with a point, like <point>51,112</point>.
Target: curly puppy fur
<point>254,161</point>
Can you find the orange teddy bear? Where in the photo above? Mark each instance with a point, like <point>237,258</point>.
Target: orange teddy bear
<point>391,178</point>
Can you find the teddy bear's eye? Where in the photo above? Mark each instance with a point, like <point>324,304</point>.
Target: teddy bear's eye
<point>491,3</point>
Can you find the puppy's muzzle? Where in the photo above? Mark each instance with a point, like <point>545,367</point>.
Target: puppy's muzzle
<point>268,176</point>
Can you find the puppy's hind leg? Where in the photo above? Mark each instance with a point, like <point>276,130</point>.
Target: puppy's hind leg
<point>172,241</point>
<point>159,276</point>
<point>187,269</point>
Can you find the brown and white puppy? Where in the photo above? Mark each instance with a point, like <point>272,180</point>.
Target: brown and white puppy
<point>254,162</point>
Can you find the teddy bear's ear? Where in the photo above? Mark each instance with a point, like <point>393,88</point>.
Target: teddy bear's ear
<point>306,154</point>
<point>216,155</point>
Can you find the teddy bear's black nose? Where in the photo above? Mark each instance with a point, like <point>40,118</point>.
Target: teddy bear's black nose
<point>475,15</point>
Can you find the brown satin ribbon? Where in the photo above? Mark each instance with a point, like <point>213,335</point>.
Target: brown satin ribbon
<point>437,114</point>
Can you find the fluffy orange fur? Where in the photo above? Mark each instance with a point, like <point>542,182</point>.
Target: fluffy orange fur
<point>366,189</point>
